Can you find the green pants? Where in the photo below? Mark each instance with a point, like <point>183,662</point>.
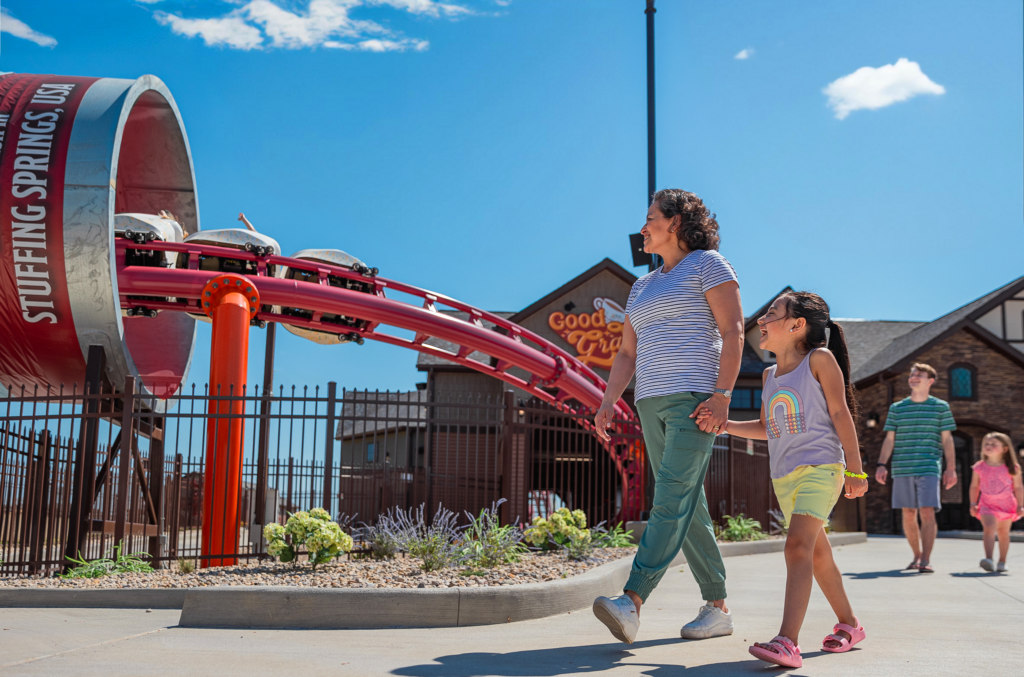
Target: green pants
<point>679,454</point>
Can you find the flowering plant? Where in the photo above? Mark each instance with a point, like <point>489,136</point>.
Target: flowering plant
<point>558,530</point>
<point>322,538</point>
<point>487,543</point>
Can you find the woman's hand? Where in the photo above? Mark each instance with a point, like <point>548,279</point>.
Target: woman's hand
<point>856,487</point>
<point>603,421</point>
<point>974,509</point>
<point>712,414</point>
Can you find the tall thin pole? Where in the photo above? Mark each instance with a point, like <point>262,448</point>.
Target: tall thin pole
<point>263,453</point>
<point>651,183</point>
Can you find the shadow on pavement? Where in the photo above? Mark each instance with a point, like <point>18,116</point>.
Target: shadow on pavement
<point>893,573</point>
<point>568,660</point>
<point>977,574</point>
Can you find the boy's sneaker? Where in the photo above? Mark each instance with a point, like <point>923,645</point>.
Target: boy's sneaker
<point>710,622</point>
<point>987,564</point>
<point>620,615</point>
<point>1001,567</point>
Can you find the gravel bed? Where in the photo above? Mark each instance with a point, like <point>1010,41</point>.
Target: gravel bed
<point>397,573</point>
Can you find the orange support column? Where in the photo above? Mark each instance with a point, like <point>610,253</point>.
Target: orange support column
<point>231,302</point>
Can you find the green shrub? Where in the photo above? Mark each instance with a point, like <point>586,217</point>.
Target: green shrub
<point>437,545</point>
<point>567,530</point>
<point>114,563</point>
<point>617,537</point>
<point>487,544</point>
<point>777,522</point>
<point>323,539</point>
<point>558,529</point>
<point>186,566</point>
<point>741,528</point>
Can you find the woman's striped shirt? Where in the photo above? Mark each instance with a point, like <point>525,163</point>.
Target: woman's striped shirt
<point>678,342</point>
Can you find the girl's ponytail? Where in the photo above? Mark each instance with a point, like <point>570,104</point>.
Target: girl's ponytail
<point>837,346</point>
<point>815,311</point>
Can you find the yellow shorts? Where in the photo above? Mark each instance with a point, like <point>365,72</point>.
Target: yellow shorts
<point>810,490</point>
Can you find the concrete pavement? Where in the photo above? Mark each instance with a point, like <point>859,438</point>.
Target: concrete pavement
<point>957,621</point>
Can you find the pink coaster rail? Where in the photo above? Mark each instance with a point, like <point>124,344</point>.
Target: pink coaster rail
<point>548,365</point>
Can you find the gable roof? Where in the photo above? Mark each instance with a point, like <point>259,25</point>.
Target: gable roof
<point>914,341</point>
<point>365,413</point>
<point>867,338</point>
<point>605,265</point>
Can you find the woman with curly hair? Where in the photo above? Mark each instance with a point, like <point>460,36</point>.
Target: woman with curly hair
<point>683,338</point>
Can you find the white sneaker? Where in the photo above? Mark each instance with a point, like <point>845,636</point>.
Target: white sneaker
<point>710,622</point>
<point>987,564</point>
<point>1001,567</point>
<point>620,615</point>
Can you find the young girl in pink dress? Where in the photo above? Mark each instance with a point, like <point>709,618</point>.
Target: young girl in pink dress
<point>997,496</point>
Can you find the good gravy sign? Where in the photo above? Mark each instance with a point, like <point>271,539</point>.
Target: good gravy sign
<point>597,336</point>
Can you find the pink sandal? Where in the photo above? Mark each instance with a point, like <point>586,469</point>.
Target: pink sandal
<point>856,635</point>
<point>779,651</point>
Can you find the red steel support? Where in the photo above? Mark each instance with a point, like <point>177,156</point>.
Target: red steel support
<point>231,302</point>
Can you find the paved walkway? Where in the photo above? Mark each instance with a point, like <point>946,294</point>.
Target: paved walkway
<point>957,621</point>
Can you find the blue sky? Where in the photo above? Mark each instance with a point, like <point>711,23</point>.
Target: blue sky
<point>493,150</point>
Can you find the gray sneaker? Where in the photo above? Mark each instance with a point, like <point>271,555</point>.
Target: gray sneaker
<point>710,622</point>
<point>987,564</point>
<point>1001,567</point>
<point>619,614</point>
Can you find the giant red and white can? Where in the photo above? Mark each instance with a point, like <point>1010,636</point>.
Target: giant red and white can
<point>73,152</point>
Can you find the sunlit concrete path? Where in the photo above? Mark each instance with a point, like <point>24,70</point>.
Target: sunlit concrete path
<point>957,621</point>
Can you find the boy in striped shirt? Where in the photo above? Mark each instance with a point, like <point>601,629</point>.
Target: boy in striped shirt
<point>918,433</point>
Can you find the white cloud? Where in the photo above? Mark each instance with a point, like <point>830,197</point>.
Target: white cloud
<point>425,7</point>
<point>20,29</point>
<point>874,88</point>
<point>257,24</point>
<point>229,31</point>
<point>745,53</point>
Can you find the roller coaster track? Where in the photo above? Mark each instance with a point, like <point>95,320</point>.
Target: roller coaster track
<point>553,375</point>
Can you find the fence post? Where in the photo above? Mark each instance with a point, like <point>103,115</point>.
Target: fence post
<point>507,469</point>
<point>156,486</point>
<point>291,475</point>
<point>37,533</point>
<point>428,444</point>
<point>328,492</point>
<point>729,467</point>
<point>176,507</point>
<point>84,487</point>
<point>127,434</point>
<point>263,455</point>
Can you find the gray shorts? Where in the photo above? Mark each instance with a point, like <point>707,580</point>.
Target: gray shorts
<point>916,491</point>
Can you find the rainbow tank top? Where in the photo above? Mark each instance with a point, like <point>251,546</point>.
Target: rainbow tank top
<point>800,430</point>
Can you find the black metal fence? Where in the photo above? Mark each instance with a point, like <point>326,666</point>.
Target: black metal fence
<point>83,471</point>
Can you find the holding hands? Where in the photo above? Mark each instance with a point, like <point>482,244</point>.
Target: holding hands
<point>712,414</point>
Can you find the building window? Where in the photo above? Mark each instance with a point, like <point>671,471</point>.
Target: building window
<point>746,398</point>
<point>369,452</point>
<point>963,382</point>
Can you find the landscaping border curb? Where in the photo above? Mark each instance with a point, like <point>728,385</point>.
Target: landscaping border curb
<point>335,608</point>
<point>103,598</point>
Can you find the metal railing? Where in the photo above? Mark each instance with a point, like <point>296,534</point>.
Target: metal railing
<point>83,472</point>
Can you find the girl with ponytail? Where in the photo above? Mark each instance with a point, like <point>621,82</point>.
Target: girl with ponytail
<point>807,415</point>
